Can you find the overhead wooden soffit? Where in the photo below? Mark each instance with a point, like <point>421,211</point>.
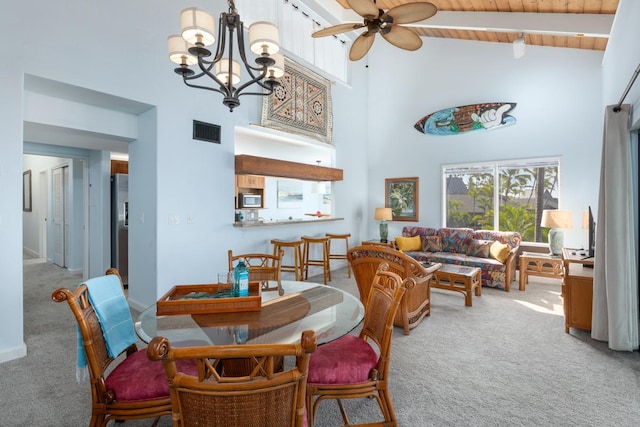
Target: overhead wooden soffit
<point>252,165</point>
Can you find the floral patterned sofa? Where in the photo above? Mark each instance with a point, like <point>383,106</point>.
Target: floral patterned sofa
<point>494,252</point>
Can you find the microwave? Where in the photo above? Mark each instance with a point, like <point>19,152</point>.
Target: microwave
<point>249,200</point>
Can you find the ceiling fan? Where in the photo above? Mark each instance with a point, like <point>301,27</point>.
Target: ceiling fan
<point>386,23</point>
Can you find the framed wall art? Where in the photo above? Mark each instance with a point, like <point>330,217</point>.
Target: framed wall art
<point>26,191</point>
<point>290,194</point>
<point>401,195</point>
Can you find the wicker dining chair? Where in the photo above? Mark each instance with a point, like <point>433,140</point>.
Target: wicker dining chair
<point>121,388</point>
<point>266,396</point>
<point>262,267</point>
<point>351,367</point>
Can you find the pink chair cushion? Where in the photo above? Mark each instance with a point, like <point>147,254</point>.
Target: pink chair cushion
<point>346,360</point>
<point>137,378</point>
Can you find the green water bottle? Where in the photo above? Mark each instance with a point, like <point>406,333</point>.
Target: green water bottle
<point>241,279</point>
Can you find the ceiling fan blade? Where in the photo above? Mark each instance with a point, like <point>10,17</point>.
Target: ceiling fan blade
<point>410,12</point>
<point>402,37</point>
<point>364,8</point>
<point>336,29</point>
<point>361,46</point>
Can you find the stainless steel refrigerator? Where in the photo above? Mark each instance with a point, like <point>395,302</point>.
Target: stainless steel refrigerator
<point>120,225</point>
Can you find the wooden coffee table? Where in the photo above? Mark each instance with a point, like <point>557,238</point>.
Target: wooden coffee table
<point>458,278</point>
<point>539,264</point>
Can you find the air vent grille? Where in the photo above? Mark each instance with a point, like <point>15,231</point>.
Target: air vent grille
<point>206,132</point>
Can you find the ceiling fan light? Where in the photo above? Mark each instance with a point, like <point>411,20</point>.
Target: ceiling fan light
<point>519,47</point>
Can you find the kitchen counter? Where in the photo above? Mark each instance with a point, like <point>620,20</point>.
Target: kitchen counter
<point>284,222</point>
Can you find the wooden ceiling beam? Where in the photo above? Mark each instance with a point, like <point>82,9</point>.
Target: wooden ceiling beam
<point>253,165</point>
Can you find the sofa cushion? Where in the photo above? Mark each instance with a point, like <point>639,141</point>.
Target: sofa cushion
<point>409,243</point>
<point>479,248</point>
<point>455,240</point>
<point>499,251</point>
<point>431,244</point>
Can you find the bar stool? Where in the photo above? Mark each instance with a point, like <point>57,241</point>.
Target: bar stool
<point>296,245</point>
<point>307,241</point>
<point>343,256</point>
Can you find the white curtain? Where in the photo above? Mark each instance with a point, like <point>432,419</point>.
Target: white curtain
<point>615,280</point>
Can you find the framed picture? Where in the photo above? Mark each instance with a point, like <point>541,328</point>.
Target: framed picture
<point>401,195</point>
<point>26,191</point>
<point>290,194</point>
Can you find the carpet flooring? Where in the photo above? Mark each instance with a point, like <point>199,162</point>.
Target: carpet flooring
<point>506,361</point>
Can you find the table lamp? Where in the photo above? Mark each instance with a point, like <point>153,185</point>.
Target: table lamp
<point>383,215</point>
<point>556,220</point>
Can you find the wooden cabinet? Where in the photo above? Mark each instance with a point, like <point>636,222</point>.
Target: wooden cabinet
<point>252,184</point>
<point>577,289</point>
<point>250,181</point>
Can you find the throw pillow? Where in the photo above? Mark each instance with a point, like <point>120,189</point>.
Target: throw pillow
<point>408,243</point>
<point>499,251</point>
<point>479,248</point>
<point>431,244</point>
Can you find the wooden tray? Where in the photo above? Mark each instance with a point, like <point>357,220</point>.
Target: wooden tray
<point>177,301</point>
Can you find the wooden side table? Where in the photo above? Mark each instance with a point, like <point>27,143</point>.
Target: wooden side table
<point>388,243</point>
<point>539,264</point>
<point>577,289</point>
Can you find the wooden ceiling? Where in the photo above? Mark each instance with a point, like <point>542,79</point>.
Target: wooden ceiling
<point>555,23</point>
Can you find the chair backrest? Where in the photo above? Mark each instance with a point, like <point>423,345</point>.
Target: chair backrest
<point>262,267</point>
<point>93,342</point>
<point>386,291</point>
<point>365,259</point>
<point>266,396</point>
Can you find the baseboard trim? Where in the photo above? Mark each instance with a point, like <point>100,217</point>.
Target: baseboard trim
<point>13,353</point>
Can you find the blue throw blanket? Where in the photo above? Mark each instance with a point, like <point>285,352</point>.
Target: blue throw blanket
<point>110,305</point>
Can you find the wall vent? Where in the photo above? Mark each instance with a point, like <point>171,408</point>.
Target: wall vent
<point>206,132</point>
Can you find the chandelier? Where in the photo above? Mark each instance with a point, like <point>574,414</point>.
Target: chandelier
<point>197,32</point>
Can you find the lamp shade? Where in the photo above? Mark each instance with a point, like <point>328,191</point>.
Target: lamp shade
<point>222,71</point>
<point>556,219</point>
<point>519,47</point>
<point>197,25</point>
<point>277,69</point>
<point>383,214</point>
<point>179,51</point>
<point>264,37</point>
<point>318,188</point>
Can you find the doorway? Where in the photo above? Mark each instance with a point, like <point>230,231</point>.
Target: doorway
<point>60,216</point>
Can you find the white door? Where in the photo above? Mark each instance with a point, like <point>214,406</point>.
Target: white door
<point>59,207</point>
<point>42,212</point>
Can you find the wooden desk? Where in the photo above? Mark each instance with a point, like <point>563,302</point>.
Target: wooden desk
<point>577,289</point>
<point>329,311</point>
<point>539,264</point>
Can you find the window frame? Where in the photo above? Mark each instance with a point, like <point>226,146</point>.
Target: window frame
<point>494,167</point>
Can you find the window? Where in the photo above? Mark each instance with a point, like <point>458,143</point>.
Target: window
<point>296,22</point>
<point>517,190</point>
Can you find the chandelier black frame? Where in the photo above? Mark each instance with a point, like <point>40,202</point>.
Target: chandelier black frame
<point>270,64</point>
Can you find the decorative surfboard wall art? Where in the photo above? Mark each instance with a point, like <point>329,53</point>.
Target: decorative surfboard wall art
<point>468,118</point>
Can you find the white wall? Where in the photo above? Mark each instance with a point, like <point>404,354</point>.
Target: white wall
<point>558,112</point>
<point>101,46</point>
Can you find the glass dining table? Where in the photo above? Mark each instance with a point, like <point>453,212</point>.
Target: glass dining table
<point>329,311</point>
